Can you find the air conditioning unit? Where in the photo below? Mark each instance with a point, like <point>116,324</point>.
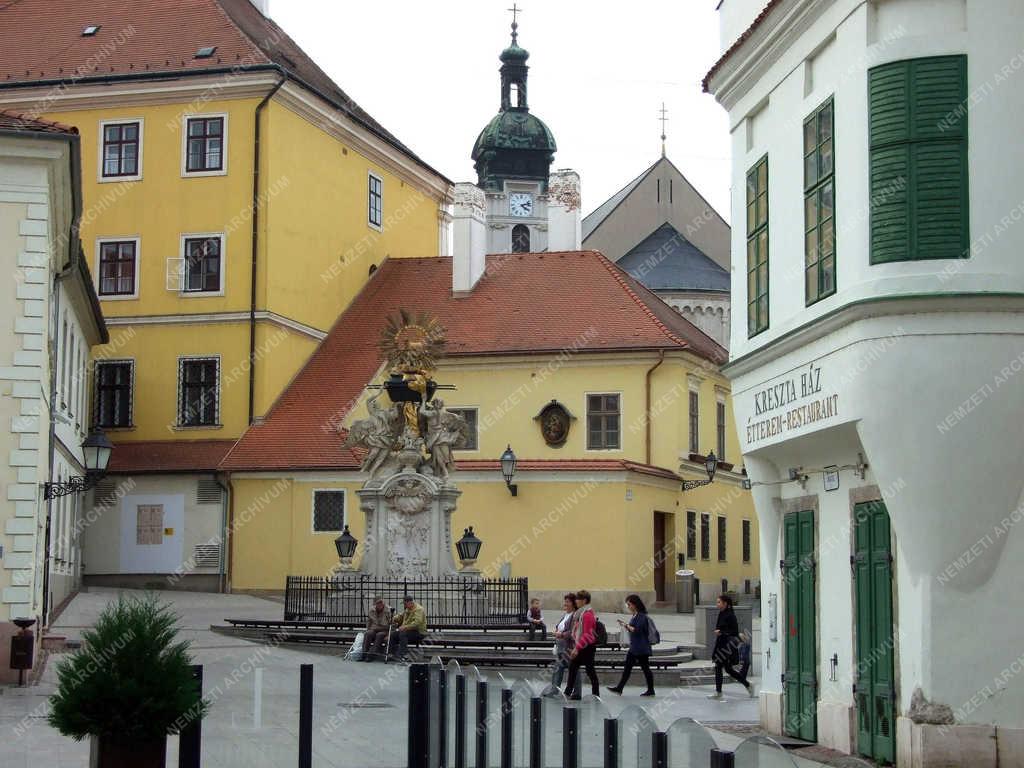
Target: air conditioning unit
<point>176,274</point>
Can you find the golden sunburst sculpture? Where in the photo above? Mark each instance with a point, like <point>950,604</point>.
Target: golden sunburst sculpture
<point>412,341</point>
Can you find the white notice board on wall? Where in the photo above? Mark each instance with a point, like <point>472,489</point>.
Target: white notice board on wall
<point>152,533</point>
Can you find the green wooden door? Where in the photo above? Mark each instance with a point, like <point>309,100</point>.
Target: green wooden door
<point>801,681</point>
<point>875,684</point>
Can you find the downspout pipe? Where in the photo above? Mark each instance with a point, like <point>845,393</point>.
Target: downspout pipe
<point>647,405</point>
<point>255,244</point>
<point>224,481</point>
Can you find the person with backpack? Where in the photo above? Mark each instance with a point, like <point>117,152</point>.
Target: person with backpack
<point>726,653</point>
<point>586,635</point>
<point>642,635</point>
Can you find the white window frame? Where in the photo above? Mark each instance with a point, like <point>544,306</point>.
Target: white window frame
<point>187,174</point>
<point>312,510</point>
<point>138,261</point>
<point>369,222</point>
<point>99,150</point>
<point>586,423</point>
<point>177,401</point>
<point>131,392</point>
<point>475,408</point>
<point>183,276</point>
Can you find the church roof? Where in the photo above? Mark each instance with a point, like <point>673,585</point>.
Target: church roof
<point>665,260</point>
<point>593,219</point>
<point>514,129</point>
<point>522,305</point>
<point>45,42</point>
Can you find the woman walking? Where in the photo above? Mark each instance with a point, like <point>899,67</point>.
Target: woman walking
<point>584,637</point>
<point>639,652</point>
<point>563,644</point>
<point>726,652</point>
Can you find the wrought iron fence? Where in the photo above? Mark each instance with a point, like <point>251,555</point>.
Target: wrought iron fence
<point>454,602</point>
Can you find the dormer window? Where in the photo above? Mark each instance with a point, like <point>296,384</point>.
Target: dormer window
<point>206,52</point>
<point>90,30</point>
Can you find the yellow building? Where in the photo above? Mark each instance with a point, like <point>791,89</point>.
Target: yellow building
<point>235,201</point>
<point>600,507</point>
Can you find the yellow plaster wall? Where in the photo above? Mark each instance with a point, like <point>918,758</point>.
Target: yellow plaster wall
<point>317,232</point>
<point>163,205</point>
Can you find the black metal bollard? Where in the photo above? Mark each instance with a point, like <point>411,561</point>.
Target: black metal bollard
<point>506,728</point>
<point>570,737</point>
<point>460,721</point>
<point>419,716</point>
<point>190,740</point>
<point>481,723</point>
<point>536,733</point>
<point>722,759</point>
<point>659,749</point>
<point>611,743</point>
<point>306,716</point>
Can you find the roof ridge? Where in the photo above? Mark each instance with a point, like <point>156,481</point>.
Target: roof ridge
<point>242,33</point>
<point>616,272</point>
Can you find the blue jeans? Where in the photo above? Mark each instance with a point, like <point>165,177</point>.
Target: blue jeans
<point>558,674</point>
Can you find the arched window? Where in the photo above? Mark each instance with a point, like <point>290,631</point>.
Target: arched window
<point>520,239</point>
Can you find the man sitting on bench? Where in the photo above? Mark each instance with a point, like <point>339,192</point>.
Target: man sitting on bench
<point>378,625</point>
<point>412,625</point>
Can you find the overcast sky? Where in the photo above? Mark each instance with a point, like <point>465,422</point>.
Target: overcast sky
<point>599,71</point>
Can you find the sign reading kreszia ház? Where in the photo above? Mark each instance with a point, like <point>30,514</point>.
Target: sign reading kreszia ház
<point>790,403</point>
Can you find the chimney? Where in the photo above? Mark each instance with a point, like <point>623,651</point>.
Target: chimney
<point>470,237</point>
<point>263,6</point>
<point>564,223</point>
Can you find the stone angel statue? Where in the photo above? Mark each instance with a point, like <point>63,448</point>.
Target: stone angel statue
<point>445,431</point>
<point>377,435</point>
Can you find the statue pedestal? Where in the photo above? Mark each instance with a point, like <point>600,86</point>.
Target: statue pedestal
<point>408,527</point>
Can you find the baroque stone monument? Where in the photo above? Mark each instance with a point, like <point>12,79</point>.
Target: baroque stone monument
<point>409,494</point>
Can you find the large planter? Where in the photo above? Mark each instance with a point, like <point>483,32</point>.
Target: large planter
<point>112,752</point>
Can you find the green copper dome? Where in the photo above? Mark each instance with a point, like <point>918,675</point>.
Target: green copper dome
<point>514,129</point>
<point>514,54</point>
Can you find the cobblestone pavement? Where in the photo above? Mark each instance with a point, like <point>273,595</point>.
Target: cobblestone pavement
<point>360,709</point>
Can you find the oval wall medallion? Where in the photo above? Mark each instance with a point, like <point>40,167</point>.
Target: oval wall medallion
<point>554,420</point>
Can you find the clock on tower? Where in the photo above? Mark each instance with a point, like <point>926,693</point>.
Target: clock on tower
<point>520,204</point>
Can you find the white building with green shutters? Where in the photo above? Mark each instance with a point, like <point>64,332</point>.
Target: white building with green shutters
<point>877,360</point>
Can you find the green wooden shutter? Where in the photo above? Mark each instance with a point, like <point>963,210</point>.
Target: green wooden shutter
<point>918,178</point>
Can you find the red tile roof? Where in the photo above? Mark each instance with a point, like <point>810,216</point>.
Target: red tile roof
<point>14,121</point>
<point>150,456</point>
<point>538,303</point>
<point>739,42</point>
<point>42,40</point>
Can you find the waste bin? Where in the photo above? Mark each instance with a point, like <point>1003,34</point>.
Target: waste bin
<point>684,591</point>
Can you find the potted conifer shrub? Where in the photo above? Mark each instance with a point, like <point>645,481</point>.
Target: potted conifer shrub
<point>128,687</point>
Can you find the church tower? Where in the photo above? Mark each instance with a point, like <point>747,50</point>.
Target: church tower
<point>525,207</point>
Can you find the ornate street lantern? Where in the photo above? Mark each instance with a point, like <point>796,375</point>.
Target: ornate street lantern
<point>710,466</point>
<point>469,548</point>
<point>346,546</point>
<point>508,469</point>
<point>96,449</point>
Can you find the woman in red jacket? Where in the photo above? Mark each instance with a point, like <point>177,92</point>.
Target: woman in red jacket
<point>584,633</point>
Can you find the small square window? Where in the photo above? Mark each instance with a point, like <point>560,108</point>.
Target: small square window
<point>117,268</point>
<point>204,144</point>
<point>121,150</point>
<point>328,511</point>
<point>470,415</point>
<point>376,197</point>
<point>202,264</point>
<point>114,379</point>
<point>603,418</point>
<point>91,30</point>
<point>206,52</point>
<point>198,392</point>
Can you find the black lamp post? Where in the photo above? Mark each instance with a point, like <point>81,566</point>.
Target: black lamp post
<point>711,466</point>
<point>508,469</point>
<point>96,449</point>
<point>469,549</point>
<point>346,546</point>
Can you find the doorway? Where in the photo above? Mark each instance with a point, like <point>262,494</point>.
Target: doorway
<point>801,677</point>
<point>660,556</point>
<point>875,669</point>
